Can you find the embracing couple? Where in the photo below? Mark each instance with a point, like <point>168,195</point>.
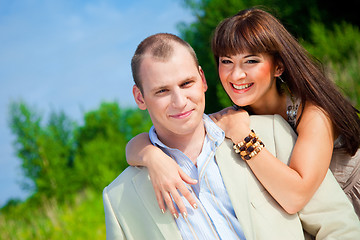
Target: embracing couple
<point>231,175</point>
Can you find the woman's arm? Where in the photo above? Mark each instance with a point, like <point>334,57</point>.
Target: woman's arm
<point>165,174</point>
<point>291,186</point>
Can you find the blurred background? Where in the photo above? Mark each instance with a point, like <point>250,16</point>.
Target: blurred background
<point>66,107</point>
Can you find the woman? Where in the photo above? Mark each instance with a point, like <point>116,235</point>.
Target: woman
<point>264,70</point>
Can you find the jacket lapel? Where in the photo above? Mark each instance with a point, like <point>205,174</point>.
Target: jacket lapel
<point>165,222</point>
<point>234,174</point>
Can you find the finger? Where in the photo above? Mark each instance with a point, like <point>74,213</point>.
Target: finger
<point>170,205</point>
<point>179,203</point>
<point>187,193</point>
<point>214,116</point>
<point>225,111</point>
<point>186,178</point>
<point>160,201</point>
<point>231,110</point>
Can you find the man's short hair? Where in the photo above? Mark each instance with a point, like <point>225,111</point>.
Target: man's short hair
<point>160,47</point>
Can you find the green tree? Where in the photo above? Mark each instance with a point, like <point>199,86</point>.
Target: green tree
<point>46,151</point>
<point>60,158</point>
<point>338,48</point>
<point>101,143</point>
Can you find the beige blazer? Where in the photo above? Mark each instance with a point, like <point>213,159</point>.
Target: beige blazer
<point>131,210</point>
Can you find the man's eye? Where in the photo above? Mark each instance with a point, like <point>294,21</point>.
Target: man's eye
<point>161,91</point>
<point>187,83</point>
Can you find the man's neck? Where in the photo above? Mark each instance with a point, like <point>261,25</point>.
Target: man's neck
<point>190,144</point>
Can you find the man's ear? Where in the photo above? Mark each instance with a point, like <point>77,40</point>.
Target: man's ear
<point>203,79</point>
<point>139,99</point>
<point>279,68</point>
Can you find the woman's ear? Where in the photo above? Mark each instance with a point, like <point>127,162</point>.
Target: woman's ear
<point>279,68</point>
<point>139,99</point>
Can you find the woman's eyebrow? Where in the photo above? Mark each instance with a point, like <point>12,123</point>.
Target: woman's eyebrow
<point>250,55</point>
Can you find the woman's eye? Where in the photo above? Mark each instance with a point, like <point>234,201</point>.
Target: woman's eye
<point>251,61</point>
<point>225,61</point>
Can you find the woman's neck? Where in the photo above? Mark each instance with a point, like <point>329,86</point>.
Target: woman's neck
<point>275,105</point>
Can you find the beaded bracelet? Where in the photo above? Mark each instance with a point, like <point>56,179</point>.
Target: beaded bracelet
<point>250,147</point>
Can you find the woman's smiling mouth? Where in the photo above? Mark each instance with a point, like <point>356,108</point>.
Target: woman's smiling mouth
<point>242,86</point>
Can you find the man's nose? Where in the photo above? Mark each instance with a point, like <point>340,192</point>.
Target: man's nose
<point>178,99</point>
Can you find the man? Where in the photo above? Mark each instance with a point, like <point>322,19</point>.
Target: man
<point>232,204</point>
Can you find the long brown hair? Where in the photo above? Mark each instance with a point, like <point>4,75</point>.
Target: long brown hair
<point>257,31</point>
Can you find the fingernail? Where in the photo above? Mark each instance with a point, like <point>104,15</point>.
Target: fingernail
<point>184,215</point>
<point>195,206</point>
<point>162,210</point>
<point>175,216</point>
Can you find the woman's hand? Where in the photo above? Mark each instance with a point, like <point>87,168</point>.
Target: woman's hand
<point>166,176</point>
<point>235,123</point>
<point>168,180</point>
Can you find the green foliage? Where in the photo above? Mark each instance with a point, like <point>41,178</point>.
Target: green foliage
<point>336,44</point>
<point>339,49</point>
<point>347,77</point>
<point>46,151</point>
<point>25,124</point>
<point>79,219</point>
<point>60,157</point>
<point>101,142</point>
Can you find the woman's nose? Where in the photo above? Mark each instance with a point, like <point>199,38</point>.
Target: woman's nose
<point>238,74</point>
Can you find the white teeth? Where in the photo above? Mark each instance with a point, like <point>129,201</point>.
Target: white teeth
<point>241,87</point>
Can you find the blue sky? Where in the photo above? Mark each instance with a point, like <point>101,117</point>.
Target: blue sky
<point>70,55</point>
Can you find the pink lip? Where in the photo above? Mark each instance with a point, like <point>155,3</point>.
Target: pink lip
<point>241,90</point>
<point>182,115</point>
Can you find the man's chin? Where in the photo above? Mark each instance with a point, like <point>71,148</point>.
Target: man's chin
<point>188,127</point>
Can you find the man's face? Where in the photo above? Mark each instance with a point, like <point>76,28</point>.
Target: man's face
<point>173,93</point>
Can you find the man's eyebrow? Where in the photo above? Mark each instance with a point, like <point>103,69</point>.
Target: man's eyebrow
<point>158,88</point>
<point>189,78</point>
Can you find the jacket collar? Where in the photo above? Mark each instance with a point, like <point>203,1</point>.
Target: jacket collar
<point>165,222</point>
<point>234,174</point>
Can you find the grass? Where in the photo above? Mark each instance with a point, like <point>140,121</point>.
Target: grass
<point>83,218</point>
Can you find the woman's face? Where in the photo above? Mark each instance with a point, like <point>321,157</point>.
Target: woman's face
<point>249,79</point>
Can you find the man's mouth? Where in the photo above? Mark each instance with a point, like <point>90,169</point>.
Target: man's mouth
<point>182,115</point>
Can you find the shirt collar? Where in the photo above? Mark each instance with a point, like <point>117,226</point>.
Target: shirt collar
<point>213,132</point>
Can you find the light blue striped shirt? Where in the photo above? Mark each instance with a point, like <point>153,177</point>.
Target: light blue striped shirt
<point>215,217</point>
